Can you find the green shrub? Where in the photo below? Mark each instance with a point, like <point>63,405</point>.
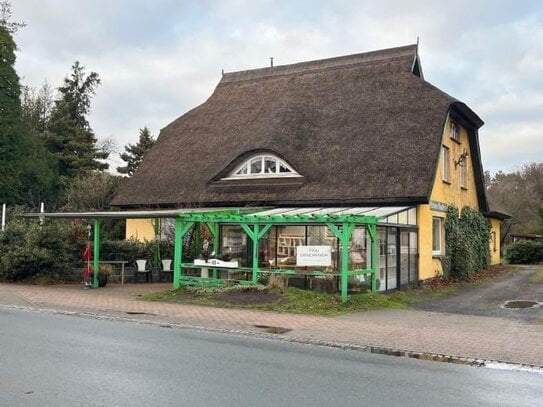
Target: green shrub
<point>467,240</point>
<point>29,249</point>
<point>128,250</point>
<point>524,251</point>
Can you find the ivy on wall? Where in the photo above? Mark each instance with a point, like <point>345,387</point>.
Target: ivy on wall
<point>467,237</point>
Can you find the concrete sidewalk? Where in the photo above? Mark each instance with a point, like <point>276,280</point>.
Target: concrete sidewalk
<point>474,337</point>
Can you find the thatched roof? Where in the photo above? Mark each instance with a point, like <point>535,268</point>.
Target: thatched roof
<point>360,129</point>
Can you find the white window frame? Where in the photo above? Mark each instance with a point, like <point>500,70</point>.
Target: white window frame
<point>439,251</point>
<point>455,131</point>
<point>248,174</point>
<point>446,158</point>
<point>463,174</point>
<point>493,241</point>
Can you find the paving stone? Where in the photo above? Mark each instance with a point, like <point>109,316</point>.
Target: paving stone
<point>445,336</point>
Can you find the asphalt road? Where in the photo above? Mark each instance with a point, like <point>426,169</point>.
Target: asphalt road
<point>59,360</point>
<point>487,299</point>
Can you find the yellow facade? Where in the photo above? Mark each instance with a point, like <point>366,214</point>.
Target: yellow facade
<point>140,229</point>
<point>448,189</point>
<point>495,255</point>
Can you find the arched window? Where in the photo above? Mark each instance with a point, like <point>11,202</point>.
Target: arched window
<point>263,166</point>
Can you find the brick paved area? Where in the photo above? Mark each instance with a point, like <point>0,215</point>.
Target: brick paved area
<point>420,331</point>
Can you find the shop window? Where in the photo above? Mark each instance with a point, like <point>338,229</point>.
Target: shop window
<point>437,236</point>
<point>234,242</point>
<point>412,216</point>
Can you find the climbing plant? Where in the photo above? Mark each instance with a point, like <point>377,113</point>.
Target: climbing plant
<point>467,237</point>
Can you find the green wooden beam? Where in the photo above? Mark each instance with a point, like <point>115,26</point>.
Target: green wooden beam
<point>181,229</point>
<point>250,232</point>
<point>255,233</point>
<point>213,228</point>
<point>264,230</point>
<point>372,231</point>
<point>253,219</point>
<point>344,236</point>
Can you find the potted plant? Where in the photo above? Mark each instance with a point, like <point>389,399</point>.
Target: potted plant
<point>104,274</point>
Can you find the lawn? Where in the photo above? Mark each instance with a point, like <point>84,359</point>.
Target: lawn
<point>291,300</point>
<point>298,301</point>
<point>537,277</point>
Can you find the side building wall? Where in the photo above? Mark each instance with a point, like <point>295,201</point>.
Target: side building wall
<point>495,254</point>
<point>140,229</point>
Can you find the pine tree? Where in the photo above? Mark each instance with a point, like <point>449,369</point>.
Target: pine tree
<point>11,146</point>
<point>25,174</point>
<point>134,153</point>
<point>69,137</point>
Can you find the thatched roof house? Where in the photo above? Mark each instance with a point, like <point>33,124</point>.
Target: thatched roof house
<point>362,129</point>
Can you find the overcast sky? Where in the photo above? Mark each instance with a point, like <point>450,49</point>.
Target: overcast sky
<point>159,58</point>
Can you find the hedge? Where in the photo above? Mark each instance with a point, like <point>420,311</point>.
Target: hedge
<point>524,251</point>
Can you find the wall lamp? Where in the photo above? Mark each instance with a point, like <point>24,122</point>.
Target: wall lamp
<point>462,159</point>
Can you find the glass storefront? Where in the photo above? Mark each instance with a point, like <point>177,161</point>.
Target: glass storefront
<point>397,253</point>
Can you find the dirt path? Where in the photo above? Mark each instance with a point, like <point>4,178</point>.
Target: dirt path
<point>486,299</point>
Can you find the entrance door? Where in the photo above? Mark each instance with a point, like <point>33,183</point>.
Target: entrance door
<point>408,258</point>
<point>404,258</point>
<point>392,259</point>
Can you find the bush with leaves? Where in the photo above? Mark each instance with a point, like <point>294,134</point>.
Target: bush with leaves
<point>467,239</point>
<point>524,252</point>
<point>128,250</point>
<point>31,248</point>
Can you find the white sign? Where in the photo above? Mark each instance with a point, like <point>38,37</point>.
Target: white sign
<point>313,255</point>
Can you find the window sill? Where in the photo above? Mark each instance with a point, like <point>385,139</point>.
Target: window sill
<point>437,255</point>
<point>463,188</point>
<point>446,182</point>
<point>455,140</point>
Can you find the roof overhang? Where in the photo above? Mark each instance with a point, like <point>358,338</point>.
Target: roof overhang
<point>370,214</point>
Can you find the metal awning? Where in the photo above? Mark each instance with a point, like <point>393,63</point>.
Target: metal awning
<point>380,212</point>
<point>256,222</point>
<point>146,214</point>
<point>226,214</point>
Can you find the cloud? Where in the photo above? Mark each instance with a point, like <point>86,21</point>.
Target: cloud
<point>159,59</point>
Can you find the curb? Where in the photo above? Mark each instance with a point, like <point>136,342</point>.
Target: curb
<point>425,356</point>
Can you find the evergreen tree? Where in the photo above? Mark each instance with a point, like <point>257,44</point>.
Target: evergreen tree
<point>69,137</point>
<point>11,145</point>
<point>25,175</point>
<point>134,153</point>
<point>37,108</point>
<point>41,179</point>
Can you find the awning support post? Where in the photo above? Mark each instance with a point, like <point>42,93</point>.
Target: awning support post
<point>181,228</point>
<point>344,236</point>
<point>372,231</point>
<point>214,230</point>
<point>96,250</point>
<point>255,234</point>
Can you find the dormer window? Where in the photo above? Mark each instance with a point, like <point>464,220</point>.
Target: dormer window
<point>263,166</point>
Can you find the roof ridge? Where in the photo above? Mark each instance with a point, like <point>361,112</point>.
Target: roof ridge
<point>318,64</point>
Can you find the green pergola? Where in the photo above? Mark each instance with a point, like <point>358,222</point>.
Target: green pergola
<point>256,222</point>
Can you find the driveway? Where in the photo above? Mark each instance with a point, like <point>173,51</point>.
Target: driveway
<point>487,299</point>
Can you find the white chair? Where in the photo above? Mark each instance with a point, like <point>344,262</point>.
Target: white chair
<point>166,267</point>
<point>141,268</point>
